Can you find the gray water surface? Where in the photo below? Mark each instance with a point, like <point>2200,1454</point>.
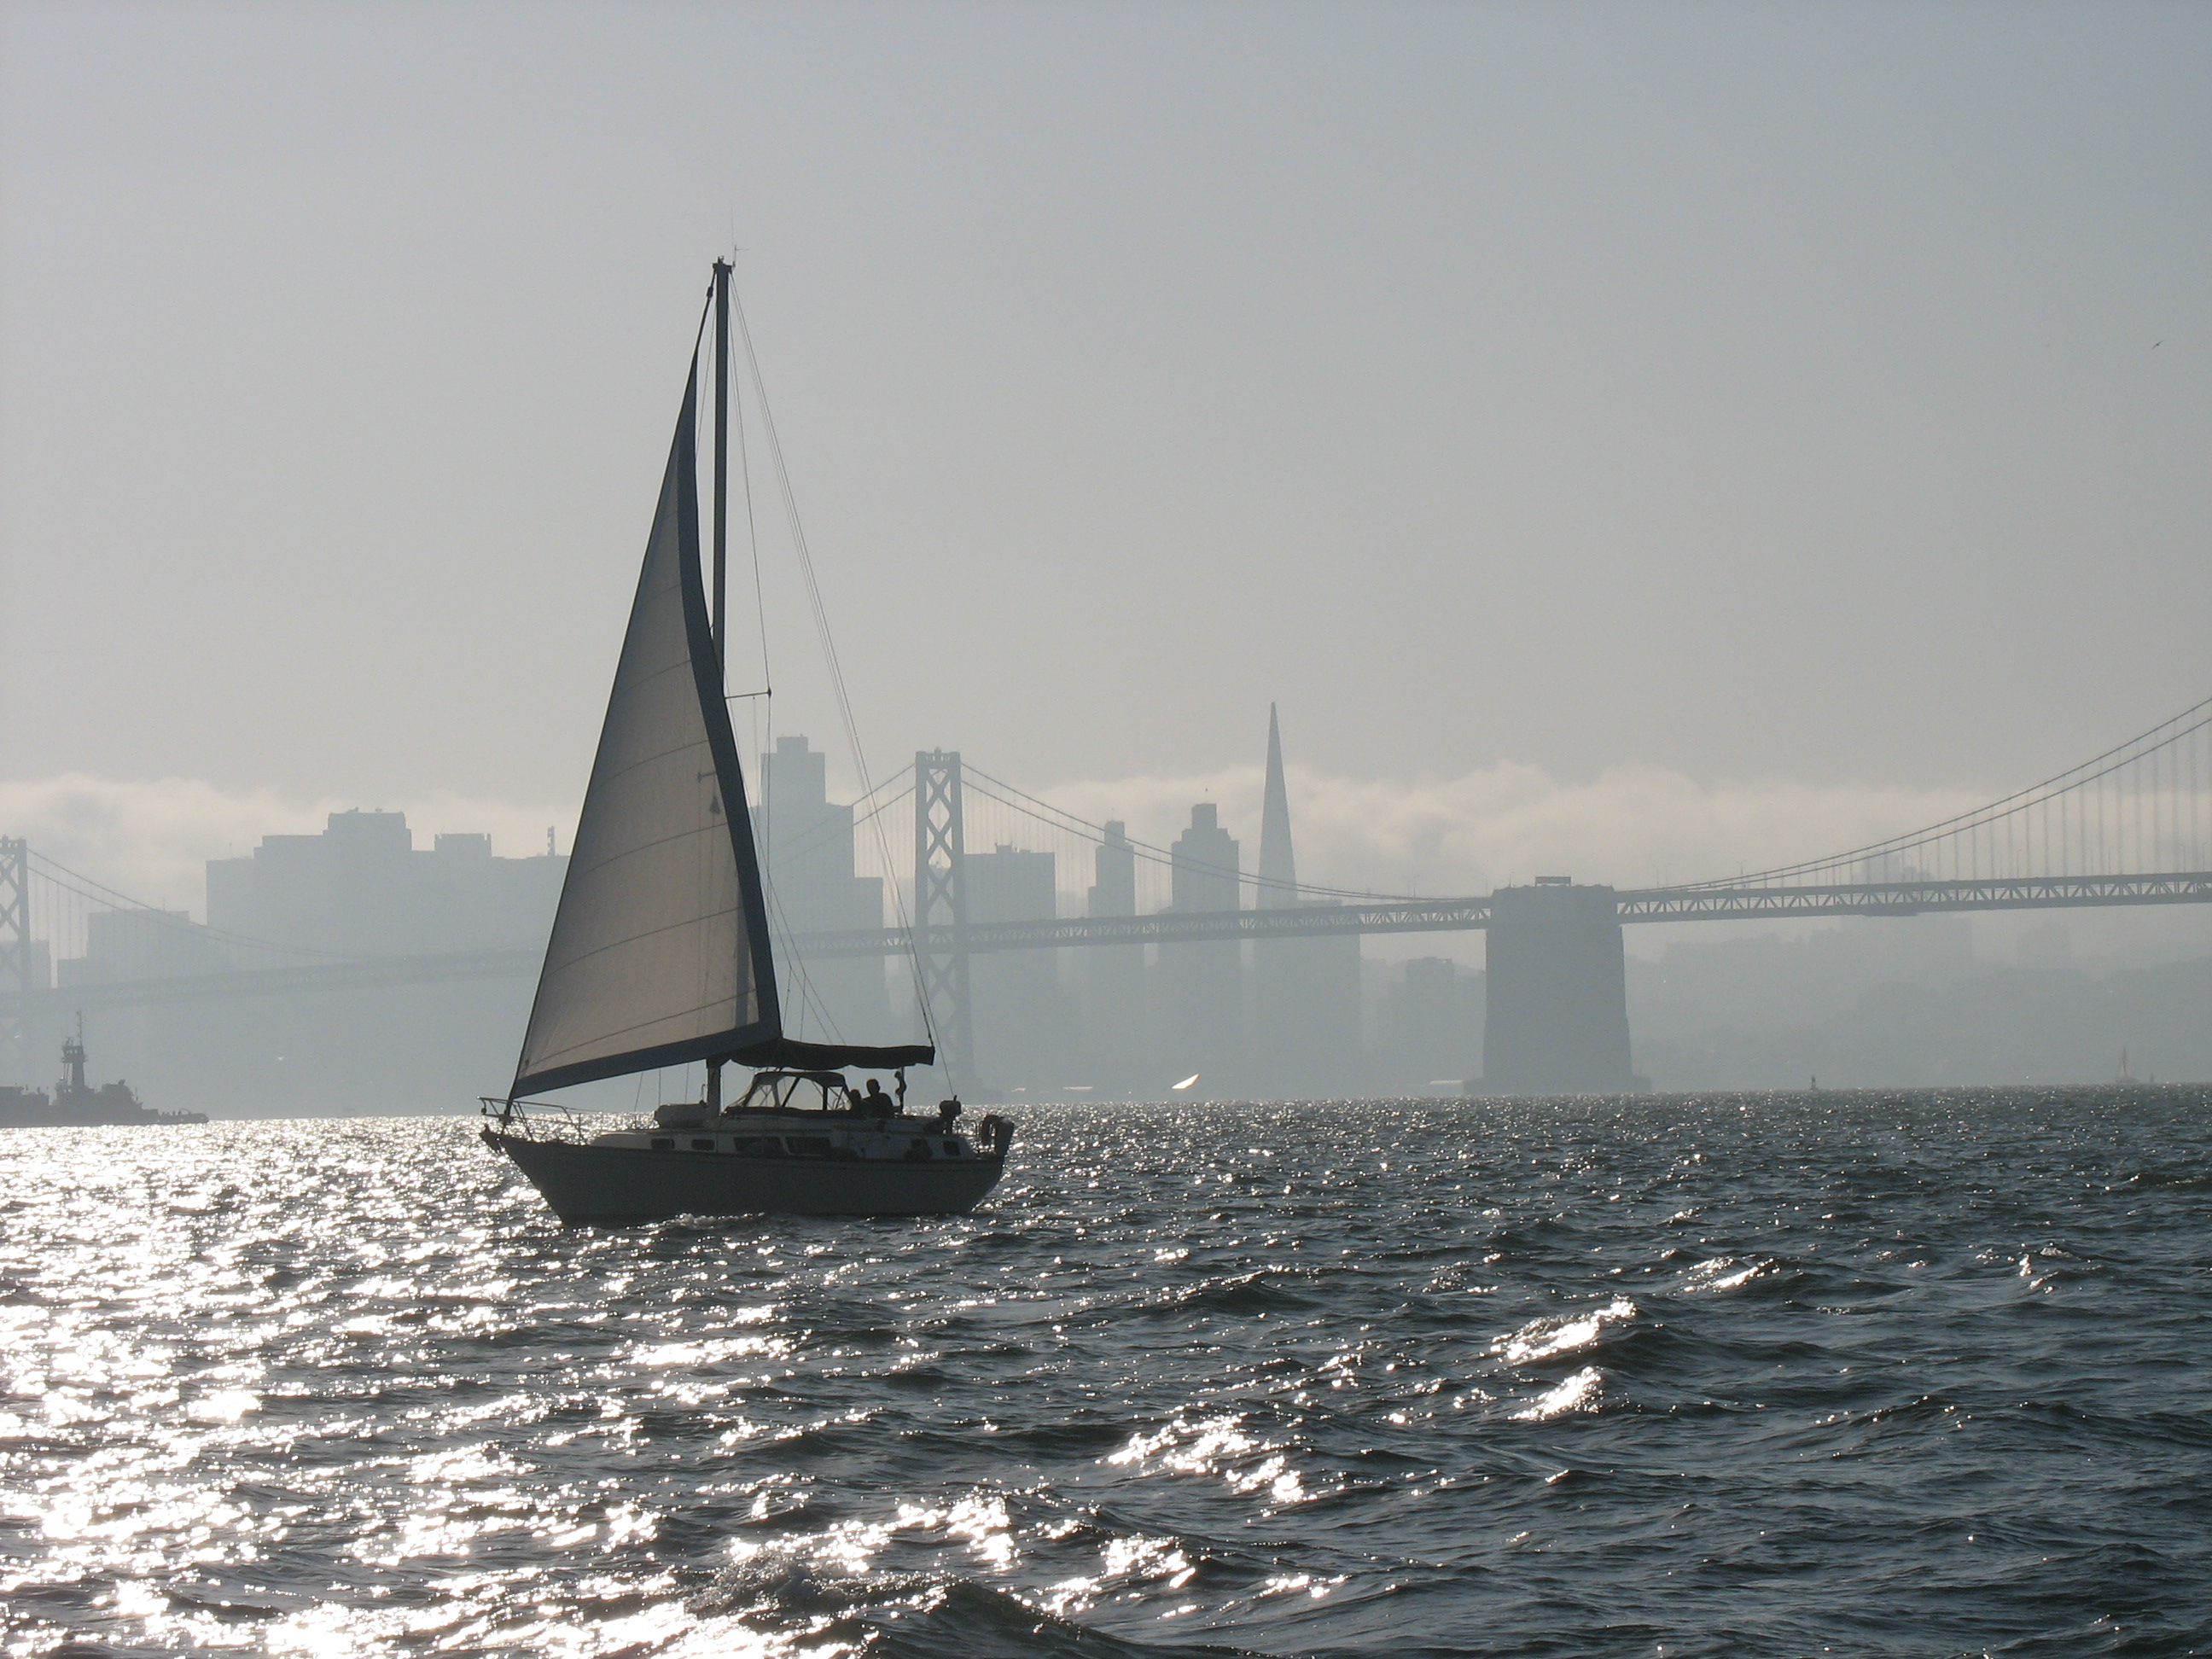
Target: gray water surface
<point>1923,1374</point>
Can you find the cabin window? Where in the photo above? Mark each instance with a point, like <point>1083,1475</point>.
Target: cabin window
<point>704,1145</point>
<point>664,1144</point>
<point>756,1146</point>
<point>809,1146</point>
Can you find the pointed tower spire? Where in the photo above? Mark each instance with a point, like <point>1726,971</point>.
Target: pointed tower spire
<point>1278,865</point>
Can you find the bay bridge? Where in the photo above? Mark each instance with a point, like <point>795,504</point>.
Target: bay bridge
<point>2129,827</point>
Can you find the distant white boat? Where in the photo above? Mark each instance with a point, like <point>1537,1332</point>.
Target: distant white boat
<point>660,952</point>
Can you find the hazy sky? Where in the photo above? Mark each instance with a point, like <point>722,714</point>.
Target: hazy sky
<point>1810,394</point>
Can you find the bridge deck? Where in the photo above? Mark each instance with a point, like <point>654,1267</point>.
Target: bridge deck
<point>1905,899</point>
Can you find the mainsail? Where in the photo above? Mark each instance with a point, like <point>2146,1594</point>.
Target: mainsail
<point>659,951</point>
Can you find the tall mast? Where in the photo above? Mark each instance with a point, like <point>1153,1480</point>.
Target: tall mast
<point>721,586</point>
<point>721,583</point>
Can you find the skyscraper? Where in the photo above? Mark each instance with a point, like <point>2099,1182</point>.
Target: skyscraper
<point>1025,1019</point>
<point>1115,1036</point>
<point>1430,1028</point>
<point>805,842</point>
<point>1199,1012</point>
<point>1279,865</point>
<point>361,887</point>
<point>1305,991</point>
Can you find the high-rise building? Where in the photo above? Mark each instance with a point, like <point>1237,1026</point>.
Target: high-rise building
<point>1305,991</point>
<point>1207,873</point>
<point>128,945</point>
<point>360,888</point>
<point>805,842</point>
<point>1429,1032</point>
<point>1278,863</point>
<point>1199,1000</point>
<point>1116,1038</point>
<point>1025,1019</point>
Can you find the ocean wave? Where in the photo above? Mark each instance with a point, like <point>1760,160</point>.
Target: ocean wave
<point>1916,1377</point>
<point>1555,1336</point>
<point>1577,1395</point>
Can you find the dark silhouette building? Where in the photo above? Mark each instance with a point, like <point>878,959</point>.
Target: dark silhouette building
<point>361,888</point>
<point>1116,1037</point>
<point>1025,1019</point>
<point>1199,1002</point>
<point>805,845</point>
<point>1429,1028</point>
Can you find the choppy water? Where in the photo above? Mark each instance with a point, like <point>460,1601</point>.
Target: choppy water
<point>1914,1374</point>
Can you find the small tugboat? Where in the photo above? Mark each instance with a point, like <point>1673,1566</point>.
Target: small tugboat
<point>77,1103</point>
<point>659,954</point>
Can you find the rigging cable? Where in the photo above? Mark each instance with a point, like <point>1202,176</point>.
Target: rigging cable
<point>829,644</point>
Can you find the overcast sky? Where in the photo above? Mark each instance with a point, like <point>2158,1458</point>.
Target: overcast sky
<point>1809,393</point>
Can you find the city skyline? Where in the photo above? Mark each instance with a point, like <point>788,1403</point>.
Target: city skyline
<point>1535,829</point>
<point>1292,1016</point>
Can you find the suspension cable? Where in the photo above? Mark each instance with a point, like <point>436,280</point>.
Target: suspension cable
<point>2056,788</point>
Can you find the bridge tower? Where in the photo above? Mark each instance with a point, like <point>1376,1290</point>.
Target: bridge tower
<point>940,902</point>
<point>14,949</point>
<point>1556,988</point>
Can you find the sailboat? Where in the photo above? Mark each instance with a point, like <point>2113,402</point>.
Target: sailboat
<point>660,955</point>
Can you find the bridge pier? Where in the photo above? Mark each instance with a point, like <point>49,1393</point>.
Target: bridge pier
<point>1556,993</point>
<point>16,976</point>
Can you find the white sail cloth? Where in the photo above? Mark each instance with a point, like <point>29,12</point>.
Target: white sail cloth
<point>658,954</point>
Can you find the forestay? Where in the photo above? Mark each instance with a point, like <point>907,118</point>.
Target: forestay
<point>660,952</point>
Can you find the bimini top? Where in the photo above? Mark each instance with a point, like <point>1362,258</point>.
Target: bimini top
<point>790,1055</point>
